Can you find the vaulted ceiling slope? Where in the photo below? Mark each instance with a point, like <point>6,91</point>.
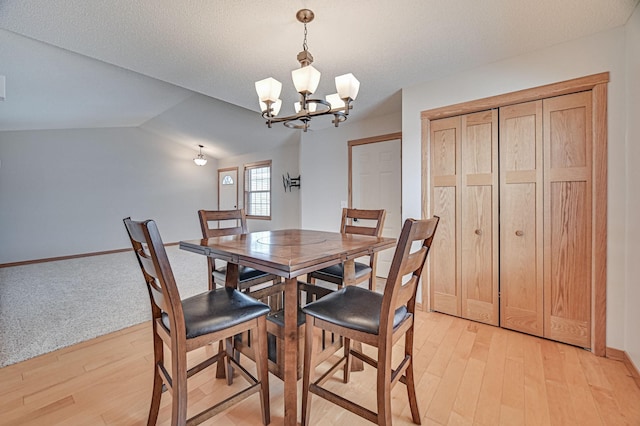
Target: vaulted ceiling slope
<point>78,63</point>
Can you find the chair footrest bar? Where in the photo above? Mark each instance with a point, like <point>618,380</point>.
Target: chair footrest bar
<point>362,357</point>
<point>221,406</point>
<point>398,374</point>
<point>243,371</point>
<point>330,372</point>
<point>204,364</point>
<point>344,403</point>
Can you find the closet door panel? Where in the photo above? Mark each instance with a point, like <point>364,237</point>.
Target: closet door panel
<point>444,279</point>
<point>479,238</point>
<point>445,294</point>
<point>478,294</point>
<point>568,218</point>
<point>521,218</point>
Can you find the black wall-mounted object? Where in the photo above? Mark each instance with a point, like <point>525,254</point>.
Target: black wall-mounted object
<point>290,182</point>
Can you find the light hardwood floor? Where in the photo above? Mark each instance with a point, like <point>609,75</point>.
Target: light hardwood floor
<point>468,373</point>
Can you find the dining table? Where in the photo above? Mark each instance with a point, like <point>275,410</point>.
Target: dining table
<point>289,253</point>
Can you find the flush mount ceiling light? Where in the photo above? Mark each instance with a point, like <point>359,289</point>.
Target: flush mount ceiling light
<point>200,160</point>
<point>306,80</point>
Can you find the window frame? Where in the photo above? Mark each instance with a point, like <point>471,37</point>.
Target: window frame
<point>247,168</point>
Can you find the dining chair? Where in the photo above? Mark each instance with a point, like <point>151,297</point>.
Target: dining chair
<point>185,325</point>
<point>236,222</point>
<point>375,319</point>
<point>350,224</point>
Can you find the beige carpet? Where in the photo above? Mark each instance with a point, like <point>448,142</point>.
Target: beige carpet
<point>47,306</point>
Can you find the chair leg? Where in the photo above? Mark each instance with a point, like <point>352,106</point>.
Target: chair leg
<point>347,355</point>
<point>384,387</point>
<point>179,397</point>
<point>308,374</point>
<point>229,354</point>
<point>410,378</point>
<point>156,393</point>
<point>262,368</point>
<point>220,368</point>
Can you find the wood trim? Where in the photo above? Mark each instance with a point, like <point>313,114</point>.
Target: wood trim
<point>555,89</point>
<point>622,356</point>
<point>597,83</point>
<point>374,139</point>
<point>72,256</point>
<point>633,370</point>
<point>425,208</point>
<point>615,354</point>
<point>599,220</point>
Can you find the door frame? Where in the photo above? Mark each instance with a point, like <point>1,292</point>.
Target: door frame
<point>597,84</point>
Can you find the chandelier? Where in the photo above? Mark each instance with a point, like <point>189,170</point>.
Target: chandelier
<point>200,160</point>
<point>306,80</point>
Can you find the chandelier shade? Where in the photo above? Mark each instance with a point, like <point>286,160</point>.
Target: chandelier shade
<point>347,86</point>
<point>268,89</point>
<point>306,80</point>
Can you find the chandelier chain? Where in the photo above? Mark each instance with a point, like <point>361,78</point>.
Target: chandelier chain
<point>304,43</point>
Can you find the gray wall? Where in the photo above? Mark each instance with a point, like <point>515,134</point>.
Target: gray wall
<point>65,192</point>
<point>285,206</point>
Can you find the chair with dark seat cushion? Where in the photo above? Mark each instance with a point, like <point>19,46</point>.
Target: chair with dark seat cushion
<point>352,223</point>
<point>379,320</point>
<point>185,325</point>
<point>236,222</point>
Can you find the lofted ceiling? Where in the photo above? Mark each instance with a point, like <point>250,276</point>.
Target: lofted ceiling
<point>186,69</point>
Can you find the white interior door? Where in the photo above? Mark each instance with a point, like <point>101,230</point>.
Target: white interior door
<point>228,191</point>
<point>376,184</point>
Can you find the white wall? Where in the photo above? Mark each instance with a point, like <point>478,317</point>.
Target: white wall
<point>65,192</point>
<point>285,206</point>
<point>632,249</point>
<point>585,56</point>
<point>324,167</point>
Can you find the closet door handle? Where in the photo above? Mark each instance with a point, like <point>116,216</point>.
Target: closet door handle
<point>519,233</point>
<point>478,231</point>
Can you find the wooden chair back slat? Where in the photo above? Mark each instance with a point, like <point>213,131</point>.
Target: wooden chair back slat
<point>207,216</point>
<point>154,263</point>
<point>351,217</point>
<point>398,293</point>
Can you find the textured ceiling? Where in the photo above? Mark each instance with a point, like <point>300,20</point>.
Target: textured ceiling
<point>220,48</point>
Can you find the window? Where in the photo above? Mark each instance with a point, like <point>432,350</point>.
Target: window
<point>257,190</point>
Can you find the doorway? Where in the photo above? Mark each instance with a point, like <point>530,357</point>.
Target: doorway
<point>375,182</point>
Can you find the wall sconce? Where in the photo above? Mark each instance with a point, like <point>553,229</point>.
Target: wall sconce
<point>200,160</point>
<point>290,182</point>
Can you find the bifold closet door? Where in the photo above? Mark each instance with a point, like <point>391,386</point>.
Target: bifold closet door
<point>521,215</point>
<point>568,208</point>
<point>464,181</point>
<point>445,162</point>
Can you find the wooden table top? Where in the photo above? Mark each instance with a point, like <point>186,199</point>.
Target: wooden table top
<point>289,252</point>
